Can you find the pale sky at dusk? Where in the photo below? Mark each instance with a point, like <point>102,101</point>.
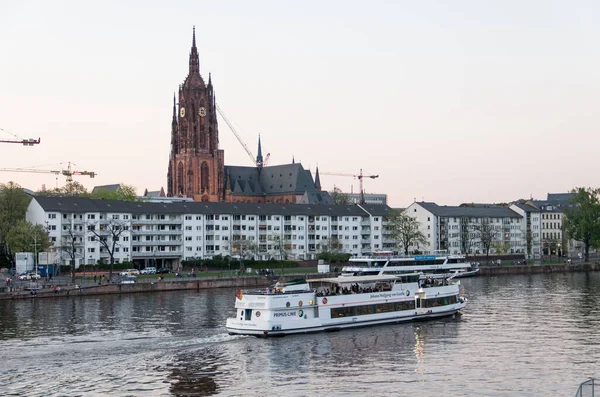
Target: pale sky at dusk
<point>465,101</point>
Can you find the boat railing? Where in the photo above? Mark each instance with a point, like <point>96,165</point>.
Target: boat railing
<point>271,291</point>
<point>587,388</point>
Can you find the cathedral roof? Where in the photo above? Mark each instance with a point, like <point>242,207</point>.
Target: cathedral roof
<point>276,179</point>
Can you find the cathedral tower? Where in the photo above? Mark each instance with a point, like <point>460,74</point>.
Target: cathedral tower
<point>196,165</point>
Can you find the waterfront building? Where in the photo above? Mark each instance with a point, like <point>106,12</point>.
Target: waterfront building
<point>197,166</point>
<point>554,240</point>
<point>165,233</point>
<point>370,198</point>
<point>531,228</point>
<point>456,229</point>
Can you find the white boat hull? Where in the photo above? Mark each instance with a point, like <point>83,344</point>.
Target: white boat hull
<point>239,327</point>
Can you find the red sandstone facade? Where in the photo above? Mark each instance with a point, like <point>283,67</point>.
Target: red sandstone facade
<point>196,164</point>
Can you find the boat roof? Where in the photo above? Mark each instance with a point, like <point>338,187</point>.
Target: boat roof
<point>360,279</point>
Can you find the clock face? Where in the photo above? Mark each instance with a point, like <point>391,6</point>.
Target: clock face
<point>202,112</point>
<point>182,112</point>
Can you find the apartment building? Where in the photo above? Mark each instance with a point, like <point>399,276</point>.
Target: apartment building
<point>457,229</point>
<point>165,233</point>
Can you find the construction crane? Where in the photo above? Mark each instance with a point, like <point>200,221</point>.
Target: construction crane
<point>360,177</point>
<point>239,138</point>
<point>24,142</point>
<point>68,172</point>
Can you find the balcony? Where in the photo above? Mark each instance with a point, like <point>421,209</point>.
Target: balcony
<point>157,221</point>
<point>156,242</point>
<point>156,254</point>
<point>157,232</point>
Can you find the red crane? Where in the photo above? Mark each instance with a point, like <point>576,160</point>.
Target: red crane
<point>360,177</point>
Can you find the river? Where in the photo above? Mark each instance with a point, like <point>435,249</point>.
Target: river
<point>532,335</point>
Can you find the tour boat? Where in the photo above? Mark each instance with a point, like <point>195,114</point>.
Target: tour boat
<point>438,263</point>
<point>332,304</point>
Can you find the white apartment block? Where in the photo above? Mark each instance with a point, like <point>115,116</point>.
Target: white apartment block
<point>163,234</point>
<point>532,228</point>
<point>455,228</point>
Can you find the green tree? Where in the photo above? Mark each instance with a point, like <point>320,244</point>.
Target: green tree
<point>583,218</point>
<point>123,192</point>
<point>339,197</point>
<point>13,206</point>
<point>70,189</point>
<point>27,237</point>
<point>406,230</point>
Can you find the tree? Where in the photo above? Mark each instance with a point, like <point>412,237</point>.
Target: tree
<point>27,237</point>
<point>108,233</point>
<point>123,192</point>
<point>406,230</point>
<point>332,246</point>
<point>339,197</point>
<point>487,234</point>
<point>71,245</point>
<point>583,218</point>
<point>466,235</point>
<point>13,206</point>
<point>70,189</point>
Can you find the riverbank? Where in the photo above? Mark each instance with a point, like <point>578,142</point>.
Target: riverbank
<point>246,282</point>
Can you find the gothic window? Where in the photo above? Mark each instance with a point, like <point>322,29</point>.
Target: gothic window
<point>180,178</point>
<point>190,183</point>
<point>204,177</point>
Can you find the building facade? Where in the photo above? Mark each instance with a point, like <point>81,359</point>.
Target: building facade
<point>165,233</point>
<point>458,229</point>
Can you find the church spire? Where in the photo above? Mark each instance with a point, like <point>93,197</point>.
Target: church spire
<point>293,160</point>
<point>194,59</point>
<point>317,180</point>
<point>259,157</point>
<point>174,110</point>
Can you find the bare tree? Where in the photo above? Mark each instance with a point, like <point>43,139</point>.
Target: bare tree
<point>245,249</point>
<point>487,233</point>
<point>108,233</point>
<point>71,246</point>
<point>467,240</point>
<point>332,246</point>
<point>406,230</point>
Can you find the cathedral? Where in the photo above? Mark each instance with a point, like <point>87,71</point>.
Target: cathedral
<point>197,166</point>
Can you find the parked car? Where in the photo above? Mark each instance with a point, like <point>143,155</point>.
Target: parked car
<point>128,280</point>
<point>130,272</point>
<point>163,270</point>
<point>30,276</point>
<point>148,270</point>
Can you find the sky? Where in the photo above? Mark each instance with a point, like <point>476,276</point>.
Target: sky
<point>450,102</point>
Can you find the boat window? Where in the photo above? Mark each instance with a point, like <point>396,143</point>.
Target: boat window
<point>447,300</point>
<point>372,309</point>
<point>248,314</point>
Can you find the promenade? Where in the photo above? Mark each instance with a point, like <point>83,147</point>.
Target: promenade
<point>224,279</point>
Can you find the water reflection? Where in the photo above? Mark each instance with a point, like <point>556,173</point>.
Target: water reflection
<point>529,335</point>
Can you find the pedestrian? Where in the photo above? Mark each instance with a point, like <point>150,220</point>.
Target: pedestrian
<point>94,279</point>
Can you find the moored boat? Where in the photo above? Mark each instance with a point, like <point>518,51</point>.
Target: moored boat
<point>436,263</point>
<point>332,304</point>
